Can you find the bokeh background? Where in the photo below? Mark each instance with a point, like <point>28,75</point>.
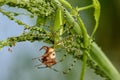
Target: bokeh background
<point>18,64</point>
<point>108,34</point>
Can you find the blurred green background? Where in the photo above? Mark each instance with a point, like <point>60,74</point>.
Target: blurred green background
<point>18,65</point>
<point>108,34</point>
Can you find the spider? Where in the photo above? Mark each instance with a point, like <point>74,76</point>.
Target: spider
<point>67,43</point>
<point>48,58</point>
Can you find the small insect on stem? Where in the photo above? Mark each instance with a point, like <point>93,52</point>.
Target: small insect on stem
<point>48,58</point>
<point>10,50</point>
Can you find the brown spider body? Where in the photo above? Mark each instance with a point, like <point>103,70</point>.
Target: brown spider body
<point>49,57</point>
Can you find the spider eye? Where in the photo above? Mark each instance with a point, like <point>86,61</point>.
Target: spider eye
<point>53,54</point>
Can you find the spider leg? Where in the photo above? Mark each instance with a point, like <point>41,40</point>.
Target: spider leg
<point>70,67</point>
<point>41,67</point>
<point>63,58</point>
<point>53,69</point>
<point>38,65</point>
<point>48,67</point>
<point>64,55</point>
<point>35,58</point>
<point>38,58</point>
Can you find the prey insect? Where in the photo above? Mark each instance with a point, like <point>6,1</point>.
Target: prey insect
<point>48,58</point>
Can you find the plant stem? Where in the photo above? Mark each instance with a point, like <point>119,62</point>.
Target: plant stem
<point>84,8</point>
<point>83,65</point>
<point>85,45</point>
<point>104,63</point>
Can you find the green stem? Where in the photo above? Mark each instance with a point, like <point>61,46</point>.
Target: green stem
<point>85,46</point>
<point>66,4</point>
<point>84,8</point>
<point>103,62</point>
<point>84,32</point>
<point>83,65</point>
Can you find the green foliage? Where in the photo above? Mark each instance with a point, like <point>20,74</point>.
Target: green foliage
<point>59,24</point>
<point>96,5</point>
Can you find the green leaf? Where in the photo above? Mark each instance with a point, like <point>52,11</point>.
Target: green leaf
<point>57,29</point>
<point>96,15</point>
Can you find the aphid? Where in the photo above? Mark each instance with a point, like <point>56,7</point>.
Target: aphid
<point>10,50</point>
<point>48,58</point>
